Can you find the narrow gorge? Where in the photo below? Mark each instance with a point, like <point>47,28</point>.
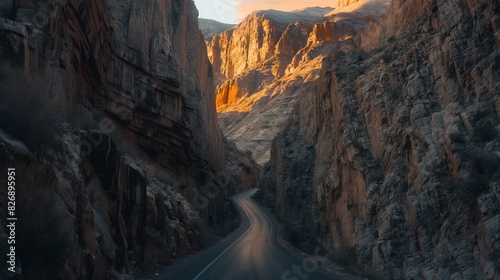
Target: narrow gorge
<point>138,132</point>
<point>378,126</point>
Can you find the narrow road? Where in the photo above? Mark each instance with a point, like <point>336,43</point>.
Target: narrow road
<point>251,253</point>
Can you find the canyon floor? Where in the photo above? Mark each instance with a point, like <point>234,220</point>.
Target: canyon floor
<point>251,252</point>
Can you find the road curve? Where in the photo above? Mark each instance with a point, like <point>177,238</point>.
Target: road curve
<point>252,253</point>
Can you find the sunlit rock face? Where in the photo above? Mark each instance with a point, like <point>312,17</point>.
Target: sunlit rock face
<point>265,62</point>
<point>405,129</point>
<point>255,40</point>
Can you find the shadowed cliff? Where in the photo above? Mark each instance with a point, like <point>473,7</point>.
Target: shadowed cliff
<point>109,117</point>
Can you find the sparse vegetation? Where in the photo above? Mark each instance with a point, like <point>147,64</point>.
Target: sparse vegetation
<point>345,257</point>
<point>483,164</point>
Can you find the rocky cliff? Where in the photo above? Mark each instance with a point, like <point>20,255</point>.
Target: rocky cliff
<point>140,168</point>
<point>405,128</point>
<point>269,59</point>
<point>255,40</point>
<point>131,61</point>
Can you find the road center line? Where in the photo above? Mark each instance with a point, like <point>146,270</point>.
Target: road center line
<point>218,257</point>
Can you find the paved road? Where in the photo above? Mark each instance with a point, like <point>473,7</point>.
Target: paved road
<point>251,253</point>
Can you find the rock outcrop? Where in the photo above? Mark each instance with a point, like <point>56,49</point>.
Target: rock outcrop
<point>405,128</point>
<point>255,42</point>
<point>146,170</point>
<point>141,63</point>
<point>269,59</point>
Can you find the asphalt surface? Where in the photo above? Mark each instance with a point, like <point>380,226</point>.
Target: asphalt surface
<point>250,253</point>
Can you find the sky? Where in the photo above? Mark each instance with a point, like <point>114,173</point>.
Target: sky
<point>233,11</point>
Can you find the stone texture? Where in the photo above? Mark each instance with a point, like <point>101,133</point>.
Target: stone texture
<point>254,102</point>
<point>405,131</point>
<point>138,72</point>
<point>256,39</point>
<point>142,63</point>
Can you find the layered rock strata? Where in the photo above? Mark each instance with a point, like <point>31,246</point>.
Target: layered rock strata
<point>147,170</point>
<point>269,59</point>
<point>405,127</point>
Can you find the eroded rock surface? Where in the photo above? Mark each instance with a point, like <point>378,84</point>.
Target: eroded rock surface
<point>155,173</point>
<point>272,57</point>
<point>405,127</point>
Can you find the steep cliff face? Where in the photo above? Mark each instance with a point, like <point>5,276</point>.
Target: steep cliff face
<point>138,189</point>
<point>98,215</point>
<point>255,102</point>
<point>255,40</point>
<point>124,60</point>
<point>405,127</point>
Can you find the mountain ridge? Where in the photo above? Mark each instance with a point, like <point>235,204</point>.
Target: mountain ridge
<point>253,64</point>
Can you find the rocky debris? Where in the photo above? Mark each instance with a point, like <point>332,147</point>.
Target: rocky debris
<point>405,131</point>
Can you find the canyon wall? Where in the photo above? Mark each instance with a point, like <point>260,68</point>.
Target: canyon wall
<point>256,39</point>
<point>140,169</point>
<point>405,128</point>
<point>141,63</point>
<point>269,59</point>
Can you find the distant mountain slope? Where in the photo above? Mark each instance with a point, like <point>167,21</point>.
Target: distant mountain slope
<point>311,14</point>
<point>209,27</point>
<point>263,62</point>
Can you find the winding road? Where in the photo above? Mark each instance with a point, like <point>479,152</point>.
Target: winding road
<point>250,253</point>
